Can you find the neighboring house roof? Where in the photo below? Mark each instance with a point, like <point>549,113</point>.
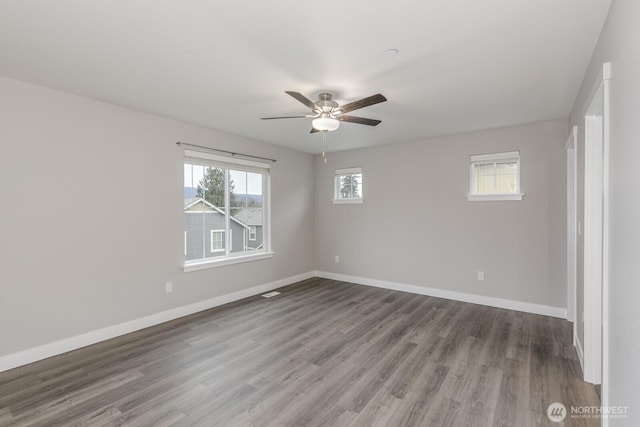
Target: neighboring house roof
<point>188,202</point>
<point>208,207</point>
<point>196,205</point>
<point>250,216</point>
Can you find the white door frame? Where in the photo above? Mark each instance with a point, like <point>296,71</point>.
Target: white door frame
<point>596,234</point>
<point>571,147</point>
<point>606,77</point>
<point>593,208</point>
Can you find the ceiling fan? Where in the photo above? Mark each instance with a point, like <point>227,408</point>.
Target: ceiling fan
<point>327,114</point>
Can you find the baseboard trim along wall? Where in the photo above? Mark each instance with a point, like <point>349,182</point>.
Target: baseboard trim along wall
<point>526,307</point>
<point>45,351</point>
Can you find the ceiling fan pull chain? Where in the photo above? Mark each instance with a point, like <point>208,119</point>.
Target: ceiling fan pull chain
<point>324,146</point>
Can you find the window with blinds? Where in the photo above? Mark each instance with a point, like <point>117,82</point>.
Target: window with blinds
<point>495,176</point>
<point>225,208</point>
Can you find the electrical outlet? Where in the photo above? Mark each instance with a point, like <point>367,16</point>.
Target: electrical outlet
<point>168,287</point>
<point>480,275</point>
<point>337,259</point>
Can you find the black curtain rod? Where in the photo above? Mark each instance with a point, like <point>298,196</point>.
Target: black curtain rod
<point>231,153</point>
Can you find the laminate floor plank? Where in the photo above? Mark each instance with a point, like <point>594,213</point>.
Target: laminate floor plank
<point>513,398</point>
<point>323,353</point>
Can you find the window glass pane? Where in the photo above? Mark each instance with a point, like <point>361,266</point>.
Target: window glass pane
<point>195,213</point>
<point>204,201</point>
<point>486,184</point>
<point>495,178</point>
<point>349,186</point>
<point>483,178</point>
<point>506,178</point>
<point>246,210</point>
<point>356,182</point>
<point>345,187</point>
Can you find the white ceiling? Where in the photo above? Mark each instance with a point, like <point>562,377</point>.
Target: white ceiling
<point>463,65</point>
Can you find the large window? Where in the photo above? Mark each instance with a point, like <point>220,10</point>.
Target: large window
<point>348,185</point>
<point>495,177</point>
<point>225,210</point>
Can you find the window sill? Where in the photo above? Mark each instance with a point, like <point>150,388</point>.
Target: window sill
<point>495,197</point>
<point>346,201</point>
<point>226,261</point>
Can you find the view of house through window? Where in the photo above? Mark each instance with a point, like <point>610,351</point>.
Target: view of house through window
<point>223,207</point>
<point>348,185</point>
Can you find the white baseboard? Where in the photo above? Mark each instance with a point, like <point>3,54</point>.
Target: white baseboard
<point>44,351</point>
<point>527,307</point>
<point>578,345</point>
<point>34,354</point>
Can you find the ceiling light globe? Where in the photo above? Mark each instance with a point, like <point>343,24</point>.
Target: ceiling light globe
<point>325,124</point>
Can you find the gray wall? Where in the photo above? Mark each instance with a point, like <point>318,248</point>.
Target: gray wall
<point>62,157</point>
<point>619,43</point>
<point>417,227</point>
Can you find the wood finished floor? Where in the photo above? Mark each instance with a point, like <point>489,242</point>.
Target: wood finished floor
<point>322,353</point>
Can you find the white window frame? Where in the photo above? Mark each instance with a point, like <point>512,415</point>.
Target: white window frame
<point>213,250</point>
<point>337,177</point>
<point>233,163</point>
<point>505,157</point>
<point>253,231</point>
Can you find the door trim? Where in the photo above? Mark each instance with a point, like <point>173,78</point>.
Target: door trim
<point>571,147</point>
<point>593,245</point>
<point>596,235</point>
<point>606,77</point>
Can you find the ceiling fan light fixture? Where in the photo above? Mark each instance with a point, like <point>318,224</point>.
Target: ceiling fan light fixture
<point>327,113</point>
<point>325,123</point>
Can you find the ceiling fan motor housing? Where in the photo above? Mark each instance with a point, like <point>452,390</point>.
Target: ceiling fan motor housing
<point>325,104</point>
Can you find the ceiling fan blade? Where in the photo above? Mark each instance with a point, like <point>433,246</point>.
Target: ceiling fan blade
<point>314,130</point>
<point>364,102</point>
<point>285,117</point>
<point>300,97</point>
<point>359,120</point>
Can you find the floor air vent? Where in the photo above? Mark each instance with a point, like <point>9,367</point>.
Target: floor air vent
<point>271,294</point>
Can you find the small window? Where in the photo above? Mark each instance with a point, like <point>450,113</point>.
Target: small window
<point>217,240</point>
<point>348,186</point>
<point>495,177</point>
<point>252,233</point>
